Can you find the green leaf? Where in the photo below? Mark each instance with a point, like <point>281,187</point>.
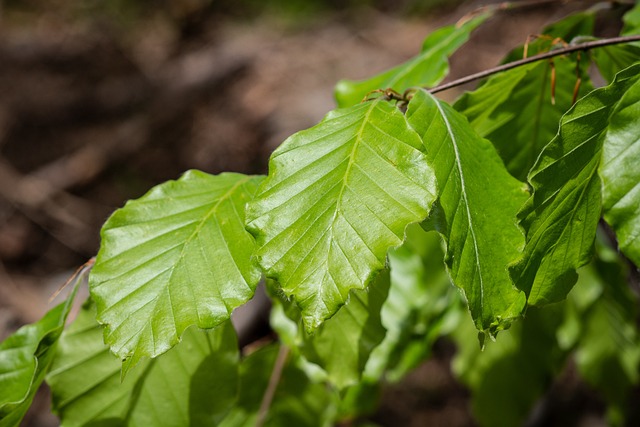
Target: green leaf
<point>613,59</point>
<point>25,358</point>
<point>176,257</point>
<point>631,21</point>
<point>561,217</point>
<point>420,306</point>
<point>297,401</point>
<point>193,384</point>
<point>515,110</point>
<point>342,344</point>
<point>620,172</point>
<point>426,69</point>
<point>475,213</point>
<point>337,197</point>
<point>510,374</point>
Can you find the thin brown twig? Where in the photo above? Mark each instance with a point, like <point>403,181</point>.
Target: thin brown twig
<point>551,54</point>
<point>270,392</point>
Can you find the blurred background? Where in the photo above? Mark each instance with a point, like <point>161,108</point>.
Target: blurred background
<point>101,100</point>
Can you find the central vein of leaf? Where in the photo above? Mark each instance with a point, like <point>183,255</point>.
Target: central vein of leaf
<point>454,144</point>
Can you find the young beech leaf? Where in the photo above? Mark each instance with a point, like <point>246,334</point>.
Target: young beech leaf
<point>176,257</point>
<point>337,197</point>
<point>425,69</point>
<point>25,358</point>
<point>476,211</point>
<point>193,384</point>
<point>620,172</point>
<point>561,217</point>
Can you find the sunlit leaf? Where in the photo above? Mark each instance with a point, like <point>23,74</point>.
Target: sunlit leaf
<point>338,196</point>
<point>176,257</point>
<point>426,69</point>
<point>194,383</point>
<point>620,172</point>
<point>561,217</point>
<point>478,197</point>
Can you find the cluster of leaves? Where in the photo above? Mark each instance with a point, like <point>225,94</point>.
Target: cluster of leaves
<point>508,186</point>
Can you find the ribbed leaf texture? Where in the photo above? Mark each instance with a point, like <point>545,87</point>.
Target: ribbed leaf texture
<point>426,69</point>
<point>194,383</point>
<point>476,212</point>
<point>620,172</point>
<point>176,257</point>
<point>337,197</point>
<point>561,217</point>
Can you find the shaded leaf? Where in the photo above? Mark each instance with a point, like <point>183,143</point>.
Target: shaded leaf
<point>509,375</point>
<point>337,197</point>
<point>613,59</point>
<point>620,172</point>
<point>420,306</point>
<point>514,109</point>
<point>561,217</point>
<point>176,257</point>
<point>193,384</point>
<point>297,401</point>
<point>426,69</point>
<point>477,198</point>
<point>342,344</point>
<point>25,358</point>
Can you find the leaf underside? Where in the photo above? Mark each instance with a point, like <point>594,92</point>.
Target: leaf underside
<point>478,197</point>
<point>337,197</point>
<point>176,257</point>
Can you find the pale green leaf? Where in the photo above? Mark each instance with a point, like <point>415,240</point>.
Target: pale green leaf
<point>342,344</point>
<point>426,69</point>
<point>25,358</point>
<point>476,212</point>
<point>176,257</point>
<point>515,109</point>
<point>561,217</point>
<point>195,383</point>
<point>620,172</point>
<point>337,197</point>
<point>297,400</point>
<point>631,21</point>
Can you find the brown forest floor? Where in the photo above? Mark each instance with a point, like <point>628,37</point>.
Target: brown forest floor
<point>95,111</point>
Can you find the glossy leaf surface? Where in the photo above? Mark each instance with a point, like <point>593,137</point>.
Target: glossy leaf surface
<point>478,197</point>
<point>337,197</point>
<point>425,69</point>
<point>176,257</point>
<point>620,172</point>
<point>561,217</point>
<point>195,383</point>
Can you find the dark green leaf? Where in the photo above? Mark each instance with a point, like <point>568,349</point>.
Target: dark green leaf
<point>620,172</point>
<point>515,109</point>
<point>426,69</point>
<point>613,59</point>
<point>561,217</point>
<point>176,257</point>
<point>475,213</point>
<point>25,358</point>
<point>338,196</point>
<point>193,384</point>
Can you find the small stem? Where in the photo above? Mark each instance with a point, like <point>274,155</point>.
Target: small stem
<point>553,53</point>
<point>276,374</point>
